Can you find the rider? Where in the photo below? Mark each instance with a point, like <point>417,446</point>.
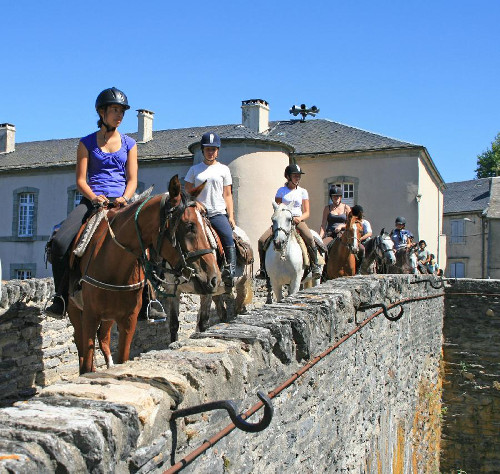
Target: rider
<point>403,240</point>
<point>334,216</point>
<point>106,171</point>
<point>366,233</point>
<point>423,257</point>
<point>216,199</point>
<point>291,192</point>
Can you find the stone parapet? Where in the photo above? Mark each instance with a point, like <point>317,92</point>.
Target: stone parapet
<point>371,405</point>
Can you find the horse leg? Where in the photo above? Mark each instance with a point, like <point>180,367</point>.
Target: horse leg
<point>75,316</point>
<point>104,338</point>
<point>173,313</point>
<point>294,285</point>
<point>202,323</point>
<point>89,331</point>
<point>126,330</point>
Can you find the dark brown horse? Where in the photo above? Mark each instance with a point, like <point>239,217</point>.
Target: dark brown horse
<point>342,251</point>
<point>129,245</point>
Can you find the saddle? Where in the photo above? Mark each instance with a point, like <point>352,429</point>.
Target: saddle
<point>244,251</point>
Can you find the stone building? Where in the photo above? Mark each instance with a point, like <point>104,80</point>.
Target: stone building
<point>472,224</point>
<point>387,177</point>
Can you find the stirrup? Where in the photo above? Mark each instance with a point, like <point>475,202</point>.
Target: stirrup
<point>55,295</point>
<point>261,274</point>
<point>149,308</point>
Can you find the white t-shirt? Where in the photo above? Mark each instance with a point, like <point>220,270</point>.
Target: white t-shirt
<point>366,227</point>
<point>217,176</point>
<point>296,196</point>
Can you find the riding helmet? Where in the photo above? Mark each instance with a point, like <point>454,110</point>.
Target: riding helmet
<point>210,139</point>
<point>400,220</point>
<point>292,169</point>
<point>357,210</point>
<point>335,191</point>
<point>111,96</point>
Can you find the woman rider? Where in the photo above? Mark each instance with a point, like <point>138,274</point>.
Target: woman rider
<point>291,192</point>
<point>106,171</point>
<point>334,216</point>
<point>216,199</point>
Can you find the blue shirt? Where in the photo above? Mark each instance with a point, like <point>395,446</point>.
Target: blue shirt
<point>400,238</point>
<point>106,172</point>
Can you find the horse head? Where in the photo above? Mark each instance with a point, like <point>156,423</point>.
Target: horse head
<point>282,220</point>
<point>186,247</point>
<point>385,248</point>
<point>352,233</point>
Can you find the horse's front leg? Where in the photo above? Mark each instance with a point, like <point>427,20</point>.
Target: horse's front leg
<point>294,285</point>
<point>75,316</point>
<point>202,323</point>
<point>90,323</point>
<point>104,338</point>
<point>126,329</point>
<point>173,311</point>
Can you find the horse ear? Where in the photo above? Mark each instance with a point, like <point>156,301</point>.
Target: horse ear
<point>174,187</point>
<point>275,206</point>
<point>196,191</point>
<point>382,231</point>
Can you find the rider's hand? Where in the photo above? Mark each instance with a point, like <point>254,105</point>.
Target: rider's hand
<point>201,208</point>
<point>231,222</point>
<point>121,201</point>
<point>296,220</point>
<point>100,200</point>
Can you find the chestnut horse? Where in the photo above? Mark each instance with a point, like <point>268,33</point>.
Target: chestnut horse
<point>342,251</point>
<point>130,246</point>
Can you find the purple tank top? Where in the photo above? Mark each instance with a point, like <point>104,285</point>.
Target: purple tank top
<point>106,172</point>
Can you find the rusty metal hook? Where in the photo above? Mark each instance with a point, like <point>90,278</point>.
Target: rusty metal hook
<point>231,408</point>
<point>362,307</point>
<point>439,285</point>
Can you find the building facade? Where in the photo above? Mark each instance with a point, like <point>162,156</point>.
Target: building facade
<point>387,177</point>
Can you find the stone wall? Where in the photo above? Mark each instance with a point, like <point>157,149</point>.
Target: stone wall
<point>471,381</point>
<point>371,405</point>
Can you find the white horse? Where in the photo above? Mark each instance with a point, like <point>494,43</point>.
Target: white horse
<point>227,305</point>
<point>284,261</point>
<point>379,253</point>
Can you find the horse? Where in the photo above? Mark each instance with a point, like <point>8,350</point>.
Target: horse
<point>379,253</point>
<point>343,250</point>
<point>406,261</point>
<point>227,305</point>
<point>128,247</point>
<point>284,259</point>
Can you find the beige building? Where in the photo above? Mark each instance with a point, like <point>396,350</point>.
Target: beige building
<point>387,177</point>
<point>472,225</point>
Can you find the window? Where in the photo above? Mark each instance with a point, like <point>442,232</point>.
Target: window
<point>347,193</point>
<point>26,214</point>
<point>457,235</point>
<point>77,198</point>
<point>457,270</point>
<point>23,274</point>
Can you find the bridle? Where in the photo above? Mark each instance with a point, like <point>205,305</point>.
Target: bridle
<point>380,251</point>
<point>287,235</point>
<point>153,263</point>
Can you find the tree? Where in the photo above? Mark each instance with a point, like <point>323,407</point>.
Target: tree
<point>488,163</point>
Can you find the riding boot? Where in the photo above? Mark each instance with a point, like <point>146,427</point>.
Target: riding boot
<point>228,272</point>
<point>315,266</point>
<point>60,272</point>
<point>147,312</point>
<point>262,274</point>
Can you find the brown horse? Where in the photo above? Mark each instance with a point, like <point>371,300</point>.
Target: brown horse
<point>129,245</point>
<point>342,251</point>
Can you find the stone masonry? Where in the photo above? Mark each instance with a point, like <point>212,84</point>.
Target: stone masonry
<point>372,405</point>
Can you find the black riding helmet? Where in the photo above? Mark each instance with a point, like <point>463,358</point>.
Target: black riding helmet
<point>400,220</point>
<point>335,191</point>
<point>111,96</point>
<point>292,169</point>
<point>357,210</point>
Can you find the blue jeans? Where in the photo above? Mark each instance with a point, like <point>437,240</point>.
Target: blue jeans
<point>220,223</point>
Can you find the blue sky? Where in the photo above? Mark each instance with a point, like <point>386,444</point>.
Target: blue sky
<point>423,72</point>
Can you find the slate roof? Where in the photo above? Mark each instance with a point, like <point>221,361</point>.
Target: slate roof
<point>466,196</point>
<point>309,137</point>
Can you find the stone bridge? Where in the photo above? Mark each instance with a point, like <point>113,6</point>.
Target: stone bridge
<point>371,404</point>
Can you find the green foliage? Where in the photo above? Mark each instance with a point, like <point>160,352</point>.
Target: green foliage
<point>488,163</point>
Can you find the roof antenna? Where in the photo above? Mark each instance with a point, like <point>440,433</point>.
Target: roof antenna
<point>304,111</point>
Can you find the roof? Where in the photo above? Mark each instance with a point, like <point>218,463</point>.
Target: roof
<point>466,196</point>
<point>308,137</point>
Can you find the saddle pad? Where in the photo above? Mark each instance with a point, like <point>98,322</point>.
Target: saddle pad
<point>305,253</point>
<point>87,234</point>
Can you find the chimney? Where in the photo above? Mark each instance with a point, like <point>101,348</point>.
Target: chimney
<point>145,126</point>
<point>7,138</point>
<point>255,114</point>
